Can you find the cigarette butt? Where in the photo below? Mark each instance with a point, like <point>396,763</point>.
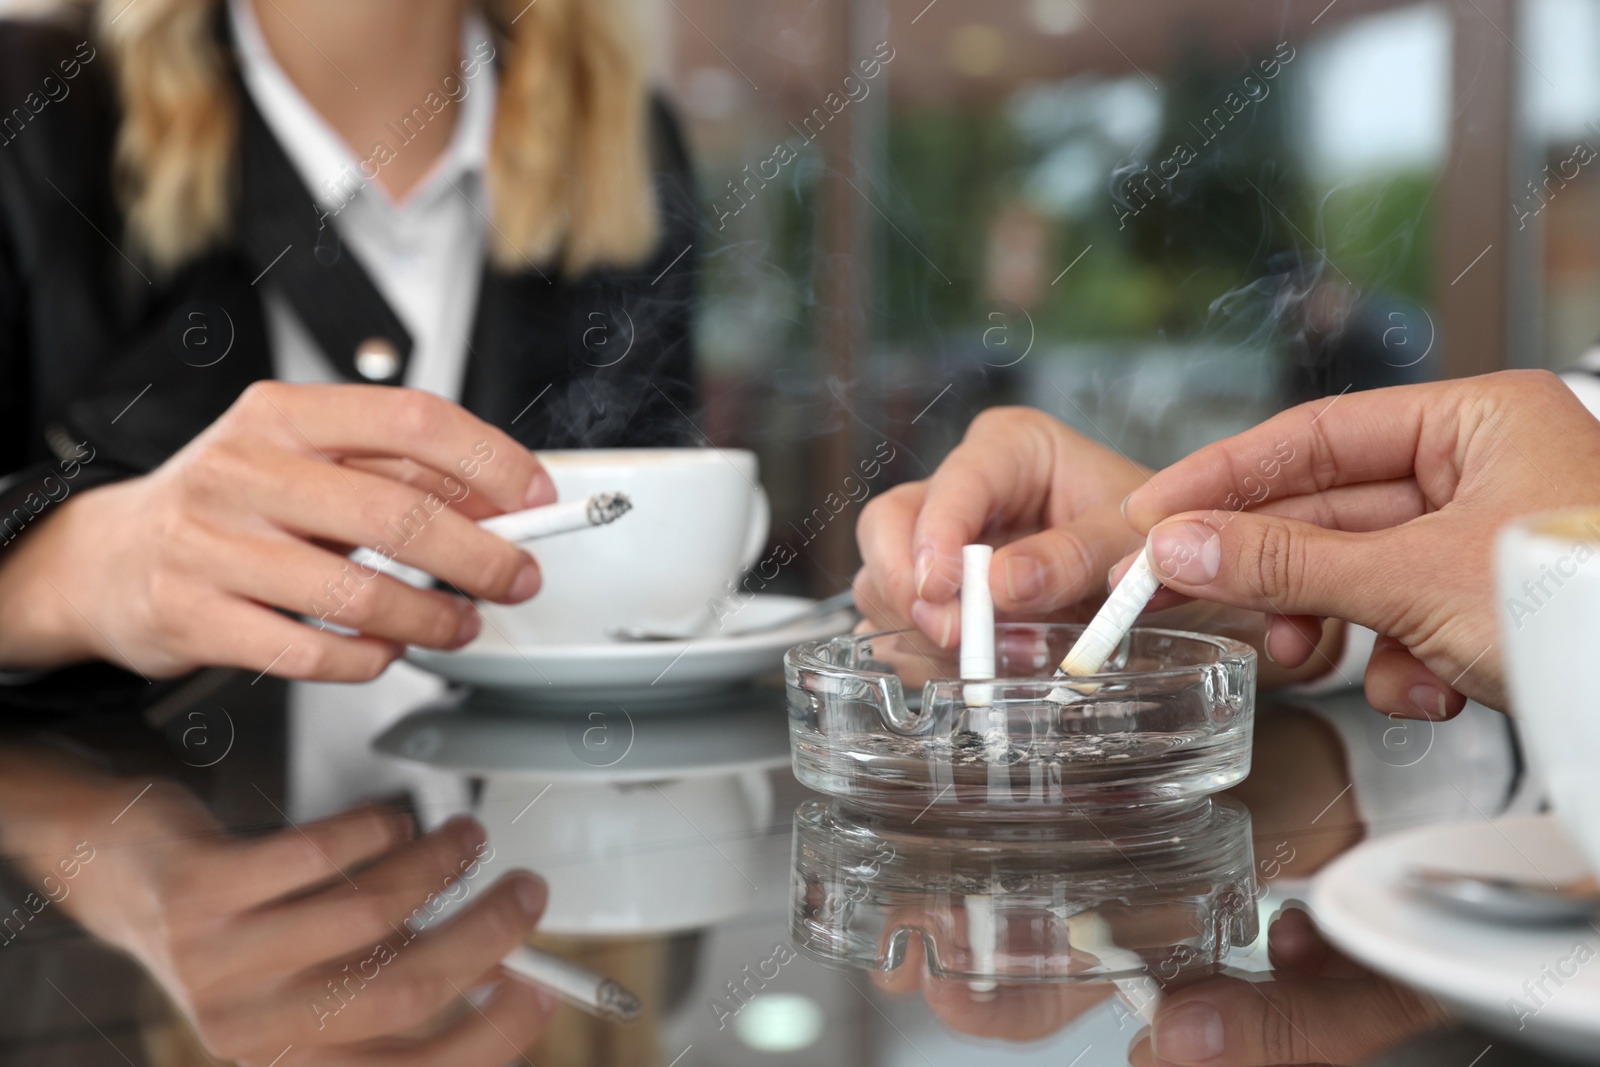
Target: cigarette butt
<point>1114,619</point>
<point>1089,932</point>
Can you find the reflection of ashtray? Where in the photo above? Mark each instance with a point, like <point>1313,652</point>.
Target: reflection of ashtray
<point>875,719</point>
<point>1151,897</point>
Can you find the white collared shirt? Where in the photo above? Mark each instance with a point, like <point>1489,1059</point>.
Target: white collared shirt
<point>424,253</point>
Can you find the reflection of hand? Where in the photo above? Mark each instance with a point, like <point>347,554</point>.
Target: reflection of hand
<point>1384,515</point>
<point>184,566</point>
<point>246,935</point>
<point>1320,1009</point>
<point>1014,1011</point>
<point>1020,479</point>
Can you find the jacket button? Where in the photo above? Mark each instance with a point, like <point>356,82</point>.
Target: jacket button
<point>376,359</point>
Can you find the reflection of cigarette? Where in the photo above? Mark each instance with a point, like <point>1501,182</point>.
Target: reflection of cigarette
<point>1089,932</point>
<point>985,940</point>
<point>1114,619</point>
<point>594,993</point>
<point>598,510</point>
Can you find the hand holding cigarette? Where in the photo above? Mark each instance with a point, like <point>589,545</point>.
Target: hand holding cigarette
<point>1046,494</point>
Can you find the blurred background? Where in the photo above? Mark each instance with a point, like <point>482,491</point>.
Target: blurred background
<point>1159,221</point>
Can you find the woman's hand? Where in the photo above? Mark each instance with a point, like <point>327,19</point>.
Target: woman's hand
<point>184,567</point>
<point>1021,480</point>
<point>1379,508</point>
<point>295,944</point>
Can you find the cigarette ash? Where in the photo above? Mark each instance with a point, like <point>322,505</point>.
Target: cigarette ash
<point>606,508</point>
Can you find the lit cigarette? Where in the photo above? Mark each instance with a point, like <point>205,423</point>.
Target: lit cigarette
<point>594,993</point>
<point>1114,619</point>
<point>602,509</point>
<point>1089,932</point>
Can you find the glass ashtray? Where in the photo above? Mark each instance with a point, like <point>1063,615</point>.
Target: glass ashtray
<point>1162,896</point>
<point>878,719</point>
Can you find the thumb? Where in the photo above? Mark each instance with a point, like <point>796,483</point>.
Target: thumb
<point>1331,1021</point>
<point>1279,565</point>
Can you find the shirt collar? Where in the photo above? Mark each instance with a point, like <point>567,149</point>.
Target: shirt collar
<point>335,174</point>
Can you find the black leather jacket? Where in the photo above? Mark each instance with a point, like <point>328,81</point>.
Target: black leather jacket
<point>107,367</point>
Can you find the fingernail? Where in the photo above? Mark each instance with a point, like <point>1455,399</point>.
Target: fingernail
<point>1189,1033</point>
<point>1024,578</point>
<point>1428,700</point>
<point>525,584</point>
<point>934,620</point>
<point>531,895</point>
<point>1189,552</point>
<point>471,626</point>
<point>924,567</point>
<point>1123,507</point>
<point>541,491</point>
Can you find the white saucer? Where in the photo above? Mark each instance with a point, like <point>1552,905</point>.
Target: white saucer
<point>628,672</point>
<point>1475,966</point>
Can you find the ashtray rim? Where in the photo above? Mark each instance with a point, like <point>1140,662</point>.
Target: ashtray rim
<point>804,656</point>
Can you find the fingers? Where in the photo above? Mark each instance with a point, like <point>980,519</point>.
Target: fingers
<point>406,981</point>
<point>229,632</point>
<point>1061,565</point>
<point>353,507</point>
<point>498,1032</point>
<point>1291,639</point>
<point>1398,684</point>
<point>1015,468</point>
<point>409,883</point>
<point>1354,508</point>
<point>333,421</point>
<point>285,572</point>
<point>255,872</point>
<point>886,587</point>
<point>447,486</point>
<point>1294,946</point>
<point>1374,438</point>
<point>1283,567</point>
<point>1293,1021</point>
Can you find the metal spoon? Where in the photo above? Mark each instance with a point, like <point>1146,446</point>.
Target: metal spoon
<point>1507,900</point>
<point>820,610</point>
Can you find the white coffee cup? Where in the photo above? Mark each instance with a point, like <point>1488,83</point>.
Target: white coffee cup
<point>1547,570</point>
<point>699,519</point>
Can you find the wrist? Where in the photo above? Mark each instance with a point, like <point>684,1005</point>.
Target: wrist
<point>38,579</point>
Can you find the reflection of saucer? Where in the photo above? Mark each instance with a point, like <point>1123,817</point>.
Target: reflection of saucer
<point>618,671</point>
<point>1534,984</point>
<point>486,735</point>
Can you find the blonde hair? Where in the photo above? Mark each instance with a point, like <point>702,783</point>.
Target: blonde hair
<point>569,165</point>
